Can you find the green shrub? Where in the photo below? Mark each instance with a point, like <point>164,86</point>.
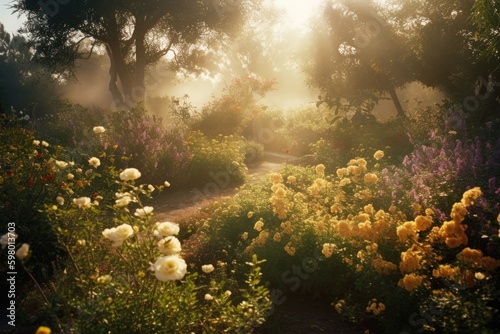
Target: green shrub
<point>220,160</point>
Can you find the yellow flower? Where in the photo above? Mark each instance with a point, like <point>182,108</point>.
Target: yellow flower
<point>328,249</point>
<point>446,271</point>
<point>250,214</point>
<point>290,249</point>
<point>291,179</point>
<point>410,282</point>
<point>422,223</point>
<point>470,196</point>
<point>410,261</point>
<point>258,225</point>
<point>43,330</point>
<point>320,169</point>
<point>379,155</point>
<point>341,172</point>
<point>406,231</point>
<point>276,178</point>
<point>277,237</point>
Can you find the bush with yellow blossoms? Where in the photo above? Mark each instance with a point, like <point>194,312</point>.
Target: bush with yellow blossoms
<point>337,236</point>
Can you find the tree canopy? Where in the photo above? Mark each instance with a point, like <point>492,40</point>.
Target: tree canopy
<point>361,51</point>
<point>134,34</point>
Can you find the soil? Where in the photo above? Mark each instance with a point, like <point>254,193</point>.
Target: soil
<point>296,315</point>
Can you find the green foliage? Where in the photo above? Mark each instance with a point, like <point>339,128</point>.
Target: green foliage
<point>221,158</point>
<point>346,140</point>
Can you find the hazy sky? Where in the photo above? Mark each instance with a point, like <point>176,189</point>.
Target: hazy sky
<point>10,21</point>
<point>292,91</point>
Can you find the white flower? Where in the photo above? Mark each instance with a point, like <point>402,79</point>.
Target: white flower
<point>61,164</point>
<point>45,144</point>
<point>151,188</point>
<point>130,174</point>
<point>479,275</point>
<point>123,201</point>
<point>143,212</point>
<point>207,268</point>
<point>167,184</point>
<point>82,202</point>
<point>118,234</point>
<point>23,251</point>
<point>166,229</point>
<point>36,142</point>
<point>99,129</point>
<point>227,293</point>
<point>169,268</point>
<point>70,176</point>
<point>7,238</point>
<point>209,297</point>
<point>94,162</point>
<point>170,245</point>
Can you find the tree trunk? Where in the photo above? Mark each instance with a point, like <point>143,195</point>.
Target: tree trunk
<point>396,102</point>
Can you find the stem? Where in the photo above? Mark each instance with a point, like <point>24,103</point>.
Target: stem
<point>39,288</point>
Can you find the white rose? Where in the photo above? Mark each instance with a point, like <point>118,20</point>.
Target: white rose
<point>61,164</point>
<point>99,129</point>
<point>207,268</point>
<point>23,251</point>
<point>170,245</point>
<point>209,297</point>
<point>45,144</point>
<point>143,212</point>
<point>169,268</point>
<point>7,238</point>
<point>166,229</point>
<point>70,176</point>
<point>36,142</point>
<point>123,201</point>
<point>94,162</point>
<point>130,174</point>
<point>82,202</point>
<point>118,234</point>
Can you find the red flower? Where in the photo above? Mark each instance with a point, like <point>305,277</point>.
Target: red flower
<point>30,183</point>
<point>94,195</point>
<point>10,173</point>
<point>63,184</point>
<point>287,151</point>
<point>50,177</point>
<point>39,155</point>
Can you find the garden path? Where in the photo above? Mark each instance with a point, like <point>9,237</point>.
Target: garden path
<point>175,204</point>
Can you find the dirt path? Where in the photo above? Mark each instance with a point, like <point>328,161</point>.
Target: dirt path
<point>172,205</point>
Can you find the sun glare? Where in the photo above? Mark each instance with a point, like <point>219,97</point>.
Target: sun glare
<point>296,13</point>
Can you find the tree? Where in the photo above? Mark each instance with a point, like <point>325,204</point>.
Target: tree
<point>134,34</point>
<point>24,85</point>
<point>486,15</point>
<point>444,40</point>
<point>357,57</point>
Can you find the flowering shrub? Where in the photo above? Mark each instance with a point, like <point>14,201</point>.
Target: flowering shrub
<point>336,235</point>
<point>443,166</point>
<point>123,279</point>
<point>141,139</point>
